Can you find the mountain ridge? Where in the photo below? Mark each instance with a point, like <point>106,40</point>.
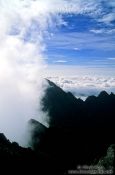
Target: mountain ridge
<point>65,110</point>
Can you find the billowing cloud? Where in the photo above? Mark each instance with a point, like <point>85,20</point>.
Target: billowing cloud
<point>21,62</point>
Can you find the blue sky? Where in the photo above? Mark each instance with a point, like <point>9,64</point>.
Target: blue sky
<point>68,32</point>
<point>84,38</point>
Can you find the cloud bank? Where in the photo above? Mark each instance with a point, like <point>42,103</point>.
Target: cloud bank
<point>84,86</point>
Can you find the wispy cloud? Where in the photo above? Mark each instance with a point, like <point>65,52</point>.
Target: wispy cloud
<point>108,18</point>
<point>73,70</point>
<point>76,48</point>
<point>111,59</point>
<point>82,41</point>
<point>103,31</point>
<point>60,61</point>
<point>96,9</point>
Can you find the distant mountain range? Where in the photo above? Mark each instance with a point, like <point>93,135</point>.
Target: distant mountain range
<point>66,111</point>
<point>80,132</point>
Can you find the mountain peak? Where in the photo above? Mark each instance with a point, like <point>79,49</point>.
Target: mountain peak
<point>35,123</point>
<point>90,98</point>
<point>3,138</point>
<point>103,94</point>
<point>50,83</point>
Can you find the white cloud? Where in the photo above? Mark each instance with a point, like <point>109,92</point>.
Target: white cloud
<point>103,31</point>
<point>60,61</point>
<point>74,70</point>
<point>76,48</point>
<point>97,31</point>
<point>21,64</point>
<point>83,86</point>
<point>111,59</point>
<point>108,18</point>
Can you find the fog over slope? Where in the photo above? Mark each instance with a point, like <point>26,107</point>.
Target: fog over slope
<point>22,28</point>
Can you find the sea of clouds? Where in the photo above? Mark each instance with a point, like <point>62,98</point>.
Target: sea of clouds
<point>84,86</point>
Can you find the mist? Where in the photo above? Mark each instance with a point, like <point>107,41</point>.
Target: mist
<point>21,64</point>
<point>23,28</point>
